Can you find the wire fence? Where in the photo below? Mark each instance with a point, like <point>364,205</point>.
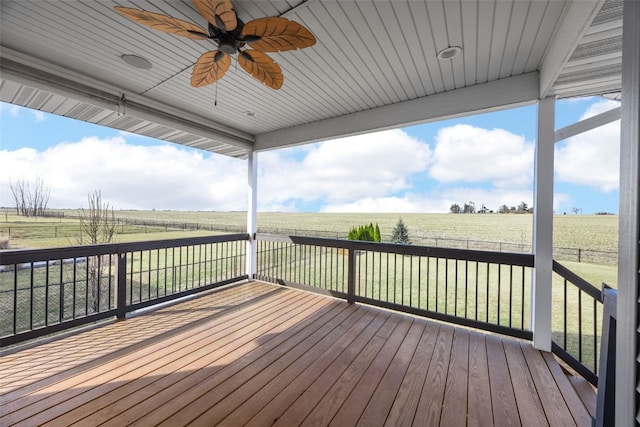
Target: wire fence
<point>137,226</point>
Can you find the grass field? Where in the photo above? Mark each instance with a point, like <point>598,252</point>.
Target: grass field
<point>584,232</point>
<point>589,232</point>
<point>593,232</point>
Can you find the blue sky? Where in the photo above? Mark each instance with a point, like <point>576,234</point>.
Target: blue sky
<point>487,159</point>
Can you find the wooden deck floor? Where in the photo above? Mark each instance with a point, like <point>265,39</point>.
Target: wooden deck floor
<point>258,354</point>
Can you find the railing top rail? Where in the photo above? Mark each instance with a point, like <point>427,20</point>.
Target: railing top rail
<point>582,284</point>
<point>18,256</point>
<point>520,259</point>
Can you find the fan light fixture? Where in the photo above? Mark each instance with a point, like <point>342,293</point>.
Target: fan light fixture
<point>136,61</point>
<point>248,42</point>
<point>449,53</point>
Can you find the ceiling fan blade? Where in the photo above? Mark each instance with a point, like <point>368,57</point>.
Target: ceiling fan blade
<point>219,13</point>
<point>262,68</point>
<point>210,67</point>
<point>164,23</point>
<point>275,34</point>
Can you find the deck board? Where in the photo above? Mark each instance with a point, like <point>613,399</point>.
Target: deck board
<point>551,397</point>
<point>431,400</point>
<point>405,405</point>
<point>503,400</point>
<point>379,406</point>
<point>258,354</point>
<point>479,408</point>
<point>353,407</point>
<point>457,386</point>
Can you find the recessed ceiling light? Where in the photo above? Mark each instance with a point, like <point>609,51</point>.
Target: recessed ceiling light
<point>449,53</point>
<point>136,61</point>
<point>249,114</point>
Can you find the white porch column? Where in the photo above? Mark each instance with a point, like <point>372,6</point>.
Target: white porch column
<point>629,223</point>
<point>543,226</point>
<point>252,212</point>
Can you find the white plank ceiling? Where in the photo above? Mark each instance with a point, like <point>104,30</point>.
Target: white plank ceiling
<point>374,66</point>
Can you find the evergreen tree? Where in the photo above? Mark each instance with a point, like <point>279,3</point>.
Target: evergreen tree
<point>367,233</point>
<point>400,233</point>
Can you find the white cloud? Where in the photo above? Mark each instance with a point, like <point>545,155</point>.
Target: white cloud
<point>467,153</point>
<point>343,170</point>
<point>38,115</point>
<point>168,177</point>
<point>406,204</point>
<point>561,202</point>
<point>592,158</point>
<point>129,177</point>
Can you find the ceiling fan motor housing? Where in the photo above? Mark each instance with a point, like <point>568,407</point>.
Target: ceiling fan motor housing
<point>228,47</point>
<point>228,41</point>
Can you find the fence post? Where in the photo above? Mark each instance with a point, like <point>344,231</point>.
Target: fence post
<point>351,276</point>
<point>579,255</point>
<point>121,286</point>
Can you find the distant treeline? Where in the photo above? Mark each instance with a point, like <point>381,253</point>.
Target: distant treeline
<point>470,207</point>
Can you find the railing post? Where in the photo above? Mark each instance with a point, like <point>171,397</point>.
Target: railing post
<point>121,286</point>
<point>605,402</point>
<point>351,276</point>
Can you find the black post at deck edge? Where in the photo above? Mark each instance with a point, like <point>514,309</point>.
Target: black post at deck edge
<point>121,286</point>
<point>351,281</point>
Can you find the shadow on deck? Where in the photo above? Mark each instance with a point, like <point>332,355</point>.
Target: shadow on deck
<point>260,354</point>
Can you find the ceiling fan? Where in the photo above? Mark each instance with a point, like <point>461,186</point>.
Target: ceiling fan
<point>269,34</point>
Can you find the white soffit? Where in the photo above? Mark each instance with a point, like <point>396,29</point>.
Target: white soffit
<point>595,65</point>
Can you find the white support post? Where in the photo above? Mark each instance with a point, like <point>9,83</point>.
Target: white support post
<point>252,213</point>
<point>626,411</point>
<point>543,226</point>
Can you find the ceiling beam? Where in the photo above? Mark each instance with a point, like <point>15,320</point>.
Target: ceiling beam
<point>14,66</point>
<point>496,95</point>
<point>588,124</point>
<point>573,26</point>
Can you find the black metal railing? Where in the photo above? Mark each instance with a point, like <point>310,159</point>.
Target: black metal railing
<point>48,290</point>
<point>577,322</point>
<point>488,290</point>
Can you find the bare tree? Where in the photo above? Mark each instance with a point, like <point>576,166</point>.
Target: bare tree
<point>18,191</point>
<point>469,207</point>
<point>523,207</point>
<point>97,225</point>
<point>30,199</point>
<point>40,197</point>
<point>576,210</point>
